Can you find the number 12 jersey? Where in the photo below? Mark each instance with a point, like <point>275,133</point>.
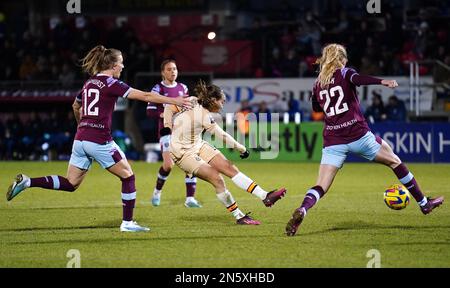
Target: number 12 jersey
<point>98,99</point>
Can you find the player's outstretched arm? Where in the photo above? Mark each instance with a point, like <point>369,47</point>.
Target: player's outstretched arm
<point>227,138</point>
<point>357,79</point>
<point>157,98</point>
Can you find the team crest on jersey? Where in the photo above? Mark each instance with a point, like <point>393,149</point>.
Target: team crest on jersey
<point>121,83</point>
<point>166,145</point>
<point>157,88</point>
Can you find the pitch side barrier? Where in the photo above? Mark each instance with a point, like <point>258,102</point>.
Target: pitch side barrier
<point>427,142</point>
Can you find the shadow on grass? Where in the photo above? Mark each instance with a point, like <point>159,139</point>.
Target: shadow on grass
<point>151,236</point>
<point>207,218</point>
<point>148,237</point>
<point>113,228</point>
<point>66,207</point>
<point>104,225</point>
<point>359,225</point>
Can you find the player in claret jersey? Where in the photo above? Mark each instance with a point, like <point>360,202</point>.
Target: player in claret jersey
<point>346,130</point>
<point>93,109</point>
<point>171,88</point>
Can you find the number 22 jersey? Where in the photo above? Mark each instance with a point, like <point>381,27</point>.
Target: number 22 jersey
<point>344,122</point>
<point>98,99</point>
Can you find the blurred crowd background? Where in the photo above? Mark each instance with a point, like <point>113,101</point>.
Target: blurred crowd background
<point>41,44</point>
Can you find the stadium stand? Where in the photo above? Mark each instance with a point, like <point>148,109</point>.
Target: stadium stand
<point>40,56</point>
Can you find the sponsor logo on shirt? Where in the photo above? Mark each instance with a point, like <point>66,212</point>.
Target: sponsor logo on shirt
<point>92,125</point>
<point>342,125</point>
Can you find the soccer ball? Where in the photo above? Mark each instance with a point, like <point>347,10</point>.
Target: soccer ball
<point>397,197</point>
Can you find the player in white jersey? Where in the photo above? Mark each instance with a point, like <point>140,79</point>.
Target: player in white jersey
<point>197,157</point>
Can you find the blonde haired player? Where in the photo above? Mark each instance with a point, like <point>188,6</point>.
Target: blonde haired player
<point>197,157</point>
<point>346,130</point>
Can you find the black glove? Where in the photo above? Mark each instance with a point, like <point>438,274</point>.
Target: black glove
<point>165,131</point>
<point>245,154</point>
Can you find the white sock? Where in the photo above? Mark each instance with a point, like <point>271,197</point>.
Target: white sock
<point>156,192</point>
<point>28,183</point>
<point>423,202</point>
<point>228,201</point>
<point>190,199</point>
<point>225,198</point>
<point>237,214</point>
<point>245,183</point>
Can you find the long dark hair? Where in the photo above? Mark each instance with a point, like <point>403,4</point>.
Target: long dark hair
<point>99,59</point>
<point>207,94</point>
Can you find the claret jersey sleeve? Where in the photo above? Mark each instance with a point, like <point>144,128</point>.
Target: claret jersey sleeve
<point>355,78</point>
<point>154,109</point>
<point>117,88</point>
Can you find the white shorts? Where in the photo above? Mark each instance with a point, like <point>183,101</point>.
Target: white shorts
<point>164,141</point>
<point>366,146</point>
<point>83,152</point>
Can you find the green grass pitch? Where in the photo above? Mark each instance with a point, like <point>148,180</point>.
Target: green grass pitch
<point>39,227</point>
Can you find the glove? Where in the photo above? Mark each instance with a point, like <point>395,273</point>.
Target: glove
<point>165,131</point>
<point>245,154</point>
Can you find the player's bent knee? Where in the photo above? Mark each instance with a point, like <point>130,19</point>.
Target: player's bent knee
<point>395,161</point>
<point>128,184</point>
<point>130,178</point>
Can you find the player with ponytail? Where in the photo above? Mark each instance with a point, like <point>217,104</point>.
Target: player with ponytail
<point>93,108</point>
<point>346,131</point>
<point>197,157</point>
